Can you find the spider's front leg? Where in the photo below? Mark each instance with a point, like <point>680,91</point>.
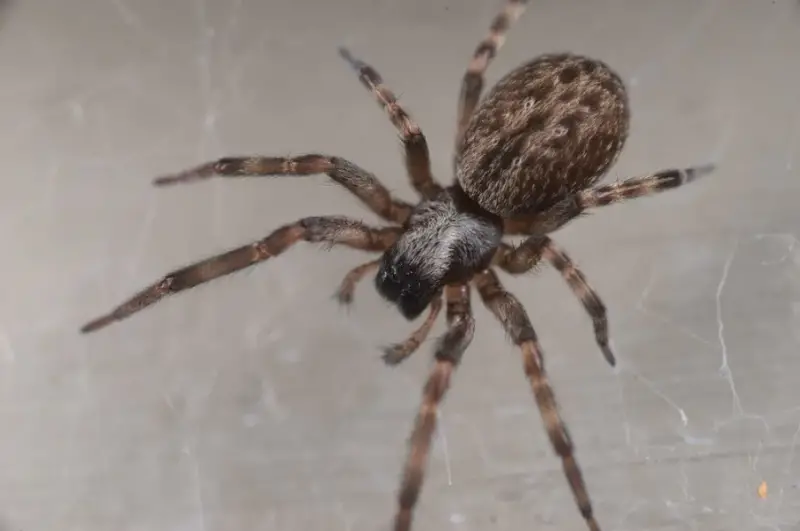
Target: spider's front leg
<point>331,230</point>
<point>348,285</point>
<point>529,254</point>
<point>451,347</point>
<point>417,155</point>
<point>357,180</point>
<point>398,352</point>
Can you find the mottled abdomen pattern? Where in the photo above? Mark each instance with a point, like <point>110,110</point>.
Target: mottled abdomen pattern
<point>548,129</point>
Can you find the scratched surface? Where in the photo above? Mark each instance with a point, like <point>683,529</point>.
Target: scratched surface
<point>256,403</point>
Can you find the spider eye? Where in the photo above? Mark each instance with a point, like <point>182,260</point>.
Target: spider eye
<point>389,282</point>
<point>402,285</point>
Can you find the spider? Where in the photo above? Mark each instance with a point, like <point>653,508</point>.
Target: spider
<point>527,161</point>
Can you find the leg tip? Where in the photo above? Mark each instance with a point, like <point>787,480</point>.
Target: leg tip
<point>198,173</point>
<point>169,180</point>
<point>97,324</point>
<point>343,297</point>
<point>345,54</point>
<point>165,180</point>
<point>608,354</point>
<point>393,355</point>
<point>701,171</point>
<point>354,63</point>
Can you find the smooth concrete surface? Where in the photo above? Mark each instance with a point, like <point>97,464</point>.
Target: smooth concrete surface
<point>256,403</point>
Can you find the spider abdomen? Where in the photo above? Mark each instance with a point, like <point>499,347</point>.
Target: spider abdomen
<point>548,129</point>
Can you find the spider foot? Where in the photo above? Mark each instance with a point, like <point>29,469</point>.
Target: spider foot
<point>198,173</point>
<point>393,355</point>
<point>345,54</point>
<point>344,295</point>
<point>608,354</point>
<point>700,171</point>
<point>97,324</point>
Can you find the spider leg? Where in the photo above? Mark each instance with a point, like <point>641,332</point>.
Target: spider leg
<point>472,82</point>
<point>348,286</point>
<point>641,186</point>
<point>547,221</point>
<point>357,180</point>
<point>331,230</point>
<point>561,213</point>
<point>528,255</point>
<point>417,156</point>
<point>397,353</point>
<point>520,259</point>
<point>451,347</point>
<point>515,321</point>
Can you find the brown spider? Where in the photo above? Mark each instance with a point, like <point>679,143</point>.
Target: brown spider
<point>527,160</point>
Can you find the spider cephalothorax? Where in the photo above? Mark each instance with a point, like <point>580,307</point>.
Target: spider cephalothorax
<point>445,241</point>
<point>527,161</point>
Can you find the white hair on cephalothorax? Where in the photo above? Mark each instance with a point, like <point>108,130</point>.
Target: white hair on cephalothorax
<point>439,235</point>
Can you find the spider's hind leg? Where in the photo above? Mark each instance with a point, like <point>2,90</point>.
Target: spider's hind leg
<point>472,82</point>
<point>607,194</point>
<point>572,207</point>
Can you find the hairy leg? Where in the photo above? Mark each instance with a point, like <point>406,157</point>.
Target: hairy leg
<point>641,186</point>
<point>515,321</point>
<point>451,347</point>
<point>417,158</point>
<point>562,213</point>
<point>348,286</point>
<point>528,255</point>
<point>472,83</point>
<point>357,180</point>
<point>520,259</point>
<point>397,353</point>
<point>545,222</point>
<point>331,230</point>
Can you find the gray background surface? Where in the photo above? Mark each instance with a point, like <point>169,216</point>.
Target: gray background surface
<point>256,403</point>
